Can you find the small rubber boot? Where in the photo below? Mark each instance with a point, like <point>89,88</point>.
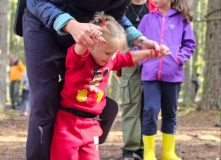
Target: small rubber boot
<point>149,147</point>
<point>169,147</point>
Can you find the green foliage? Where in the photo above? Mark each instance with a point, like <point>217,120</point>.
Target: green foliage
<point>16,45</point>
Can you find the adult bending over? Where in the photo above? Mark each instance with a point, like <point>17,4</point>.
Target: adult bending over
<point>49,28</point>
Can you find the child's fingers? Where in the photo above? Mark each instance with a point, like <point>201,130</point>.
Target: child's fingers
<point>94,32</point>
<point>158,52</point>
<point>153,54</point>
<point>159,55</point>
<point>149,54</point>
<point>97,34</point>
<point>101,39</point>
<point>168,53</point>
<point>156,46</point>
<point>166,50</point>
<point>96,27</point>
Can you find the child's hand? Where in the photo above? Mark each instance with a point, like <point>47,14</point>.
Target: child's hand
<point>96,35</point>
<point>151,54</point>
<point>164,51</point>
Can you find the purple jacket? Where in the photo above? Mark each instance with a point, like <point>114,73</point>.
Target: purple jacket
<point>171,30</point>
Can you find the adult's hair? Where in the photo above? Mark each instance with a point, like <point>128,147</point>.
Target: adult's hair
<point>113,32</point>
<point>184,6</point>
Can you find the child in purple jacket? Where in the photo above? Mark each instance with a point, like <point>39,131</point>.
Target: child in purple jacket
<point>167,24</point>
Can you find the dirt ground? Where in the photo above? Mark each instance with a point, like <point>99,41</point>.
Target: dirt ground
<point>198,137</point>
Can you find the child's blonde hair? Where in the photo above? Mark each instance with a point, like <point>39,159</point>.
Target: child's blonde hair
<point>184,6</point>
<point>113,32</point>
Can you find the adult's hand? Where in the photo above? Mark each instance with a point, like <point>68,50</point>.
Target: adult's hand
<point>148,44</point>
<point>82,32</point>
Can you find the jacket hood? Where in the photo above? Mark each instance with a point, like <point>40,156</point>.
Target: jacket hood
<point>170,13</point>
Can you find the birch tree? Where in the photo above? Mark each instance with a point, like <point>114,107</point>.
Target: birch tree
<point>3,51</point>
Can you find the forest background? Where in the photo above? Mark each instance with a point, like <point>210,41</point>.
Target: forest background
<point>206,59</point>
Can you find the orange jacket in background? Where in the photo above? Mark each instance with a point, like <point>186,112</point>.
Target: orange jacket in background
<point>16,71</point>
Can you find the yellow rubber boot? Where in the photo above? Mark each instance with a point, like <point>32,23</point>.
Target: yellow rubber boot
<point>169,147</point>
<point>149,147</point>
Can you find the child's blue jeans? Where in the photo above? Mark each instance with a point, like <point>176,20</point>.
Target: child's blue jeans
<point>160,95</point>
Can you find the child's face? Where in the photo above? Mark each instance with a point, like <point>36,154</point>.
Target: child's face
<point>102,55</point>
<point>161,3</point>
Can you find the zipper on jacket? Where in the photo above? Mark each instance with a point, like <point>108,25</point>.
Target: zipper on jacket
<point>161,42</point>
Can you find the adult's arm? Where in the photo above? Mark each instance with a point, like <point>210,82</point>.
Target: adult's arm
<point>119,14</point>
<point>133,35</point>
<point>45,11</point>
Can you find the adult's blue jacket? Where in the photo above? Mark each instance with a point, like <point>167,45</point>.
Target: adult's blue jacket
<point>83,11</point>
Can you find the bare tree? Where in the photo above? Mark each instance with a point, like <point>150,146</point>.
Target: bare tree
<point>211,98</point>
<point>187,86</point>
<point>3,50</point>
<point>196,52</point>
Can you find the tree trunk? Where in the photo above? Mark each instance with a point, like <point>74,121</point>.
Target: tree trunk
<point>3,51</point>
<point>187,85</point>
<point>196,52</point>
<point>211,99</point>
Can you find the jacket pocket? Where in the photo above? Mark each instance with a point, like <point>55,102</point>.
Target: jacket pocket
<point>131,91</point>
<point>176,57</point>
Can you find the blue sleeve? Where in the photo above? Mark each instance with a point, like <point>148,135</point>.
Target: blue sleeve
<point>60,22</point>
<point>45,11</point>
<point>132,33</point>
<point>125,22</point>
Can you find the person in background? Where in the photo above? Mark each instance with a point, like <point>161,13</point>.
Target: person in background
<point>50,27</point>
<point>77,128</point>
<point>25,94</point>
<point>131,93</point>
<point>16,71</point>
<point>169,24</point>
<point>197,83</point>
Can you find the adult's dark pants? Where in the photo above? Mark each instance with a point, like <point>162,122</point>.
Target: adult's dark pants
<point>45,53</point>
<point>160,95</point>
<point>14,93</point>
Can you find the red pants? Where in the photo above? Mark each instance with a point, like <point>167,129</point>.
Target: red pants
<point>75,138</point>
